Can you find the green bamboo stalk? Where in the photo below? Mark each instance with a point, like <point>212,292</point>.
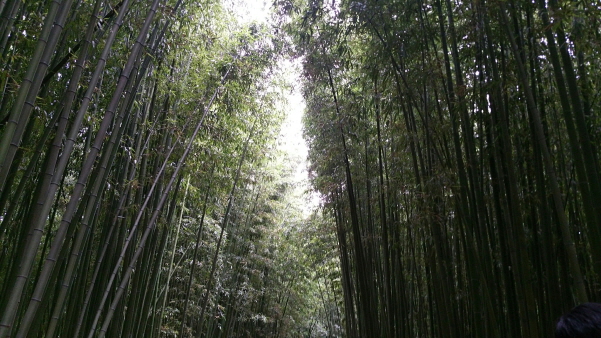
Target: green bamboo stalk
<point>224,225</point>
<point>59,237</point>
<point>149,226</point>
<point>28,90</point>
<point>14,131</point>
<point>578,283</point>
<point>179,224</point>
<point>194,256</point>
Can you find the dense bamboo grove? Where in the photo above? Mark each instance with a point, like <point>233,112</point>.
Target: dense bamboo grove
<point>456,146</point>
<point>142,190</point>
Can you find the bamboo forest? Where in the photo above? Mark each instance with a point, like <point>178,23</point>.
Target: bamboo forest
<point>298,168</point>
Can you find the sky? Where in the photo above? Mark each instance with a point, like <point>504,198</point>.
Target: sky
<point>291,138</point>
<point>251,10</point>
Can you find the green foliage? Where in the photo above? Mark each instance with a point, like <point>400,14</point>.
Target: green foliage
<point>424,145</point>
<point>154,158</point>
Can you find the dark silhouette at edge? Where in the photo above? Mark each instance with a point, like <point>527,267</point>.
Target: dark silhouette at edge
<point>583,321</point>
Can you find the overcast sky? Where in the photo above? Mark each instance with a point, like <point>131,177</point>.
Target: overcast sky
<point>291,139</point>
